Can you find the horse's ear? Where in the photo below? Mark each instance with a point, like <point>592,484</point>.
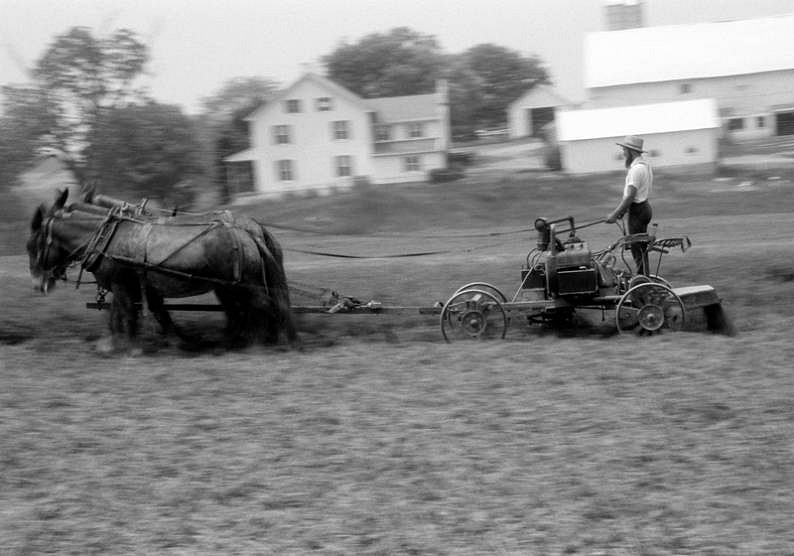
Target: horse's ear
<point>38,218</point>
<point>60,198</point>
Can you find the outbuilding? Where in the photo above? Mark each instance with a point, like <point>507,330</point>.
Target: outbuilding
<point>528,115</point>
<point>676,134</point>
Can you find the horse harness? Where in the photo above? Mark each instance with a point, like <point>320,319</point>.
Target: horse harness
<point>97,248</point>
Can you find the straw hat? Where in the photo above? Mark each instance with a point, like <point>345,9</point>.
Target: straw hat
<point>632,142</point>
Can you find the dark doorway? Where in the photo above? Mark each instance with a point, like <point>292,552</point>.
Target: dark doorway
<point>540,118</point>
<point>784,123</point>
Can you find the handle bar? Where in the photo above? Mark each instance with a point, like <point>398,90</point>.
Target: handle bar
<point>580,226</point>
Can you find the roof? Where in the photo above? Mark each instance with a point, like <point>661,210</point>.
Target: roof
<point>389,109</point>
<point>644,119</point>
<point>320,80</point>
<point>242,156</point>
<point>675,52</point>
<point>406,108</point>
<point>541,96</point>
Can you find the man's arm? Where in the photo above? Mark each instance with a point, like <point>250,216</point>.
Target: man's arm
<point>624,205</point>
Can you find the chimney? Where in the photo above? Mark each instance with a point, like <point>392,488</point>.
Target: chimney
<point>623,14</point>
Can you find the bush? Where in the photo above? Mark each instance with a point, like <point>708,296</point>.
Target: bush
<point>551,157</point>
<point>460,159</point>
<point>439,175</point>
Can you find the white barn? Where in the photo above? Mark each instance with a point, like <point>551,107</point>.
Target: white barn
<point>681,133</point>
<point>317,135</point>
<point>747,66</point>
<point>528,115</point>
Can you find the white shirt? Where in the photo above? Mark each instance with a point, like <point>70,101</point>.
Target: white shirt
<point>640,175</point>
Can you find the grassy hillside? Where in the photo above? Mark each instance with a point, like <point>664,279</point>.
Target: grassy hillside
<point>377,438</point>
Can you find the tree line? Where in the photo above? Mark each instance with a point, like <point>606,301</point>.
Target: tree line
<point>85,102</point>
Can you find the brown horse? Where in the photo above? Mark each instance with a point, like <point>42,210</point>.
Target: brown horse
<point>143,259</point>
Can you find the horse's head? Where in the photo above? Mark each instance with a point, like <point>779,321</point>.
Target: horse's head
<point>48,257</point>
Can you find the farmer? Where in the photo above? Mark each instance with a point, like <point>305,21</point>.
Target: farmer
<point>636,195</point>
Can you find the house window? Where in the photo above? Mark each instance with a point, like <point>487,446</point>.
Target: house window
<point>382,133</point>
<point>340,129</point>
<point>285,170</point>
<point>293,106</point>
<point>281,134</point>
<point>685,88</point>
<point>760,122</point>
<point>735,124</point>
<point>412,163</point>
<point>344,165</point>
<point>415,130</point>
<point>323,104</point>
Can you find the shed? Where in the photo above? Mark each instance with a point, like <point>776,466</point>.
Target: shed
<point>676,134</point>
<point>534,110</point>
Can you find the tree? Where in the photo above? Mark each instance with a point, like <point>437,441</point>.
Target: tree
<point>24,122</point>
<point>82,77</point>
<point>223,128</point>
<point>498,77</point>
<point>482,81</point>
<point>237,94</point>
<point>84,103</point>
<point>400,62</point>
<point>147,149</point>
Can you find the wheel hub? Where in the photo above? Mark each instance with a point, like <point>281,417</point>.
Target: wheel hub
<point>651,317</point>
<point>473,323</point>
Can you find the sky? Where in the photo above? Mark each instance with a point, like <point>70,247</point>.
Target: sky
<point>198,45</point>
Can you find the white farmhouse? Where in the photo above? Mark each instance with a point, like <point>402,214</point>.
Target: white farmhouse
<point>747,66</point>
<point>681,133</point>
<point>317,135</point>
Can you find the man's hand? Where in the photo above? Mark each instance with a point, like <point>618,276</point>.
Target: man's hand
<point>611,219</point>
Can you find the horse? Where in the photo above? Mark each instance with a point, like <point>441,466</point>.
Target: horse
<point>143,259</point>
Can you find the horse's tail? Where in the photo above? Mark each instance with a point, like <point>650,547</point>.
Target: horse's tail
<point>275,278</point>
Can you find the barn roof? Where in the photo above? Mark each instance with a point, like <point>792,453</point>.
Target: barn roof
<point>676,52</point>
<point>644,119</point>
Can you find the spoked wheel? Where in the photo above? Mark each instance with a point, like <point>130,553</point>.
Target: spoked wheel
<point>656,279</point>
<point>650,308</point>
<point>473,314</point>
<point>486,287</point>
<point>643,279</point>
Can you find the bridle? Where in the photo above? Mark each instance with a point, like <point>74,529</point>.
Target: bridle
<point>58,271</point>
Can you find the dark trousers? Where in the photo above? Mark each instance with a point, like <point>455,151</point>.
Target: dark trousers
<point>640,215</point>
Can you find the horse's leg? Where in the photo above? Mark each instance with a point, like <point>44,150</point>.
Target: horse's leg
<point>235,313</point>
<point>123,315</point>
<point>156,305</point>
<point>286,321</point>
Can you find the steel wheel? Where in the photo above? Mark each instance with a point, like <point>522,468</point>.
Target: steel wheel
<point>650,308</point>
<point>473,315</point>
<point>484,286</point>
<point>643,279</point>
<point>659,280</point>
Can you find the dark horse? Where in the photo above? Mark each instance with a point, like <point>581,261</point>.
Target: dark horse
<point>143,259</point>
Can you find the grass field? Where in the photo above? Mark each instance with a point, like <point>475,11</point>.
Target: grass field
<point>378,438</point>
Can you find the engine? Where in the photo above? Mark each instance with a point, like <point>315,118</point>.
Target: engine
<point>559,267</point>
